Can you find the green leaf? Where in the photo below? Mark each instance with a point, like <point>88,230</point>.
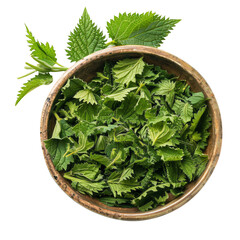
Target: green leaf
<point>126,174</point>
<point>102,159</point>
<point>201,162</point>
<point>185,110</point>
<point>197,99</point>
<point>164,88</point>
<point>188,166</point>
<point>38,80</point>
<point>196,136</point>
<point>147,29</point>
<point>125,70</point>
<point>82,146</point>
<point>86,96</point>
<point>203,130</point>
<point>44,52</point>
<point>104,129</point>
<point>105,115</point>
<point>114,202</point>
<point>127,107</point>
<point>72,87</point>
<point>120,94</point>
<point>85,127</point>
<point>87,170</point>
<point>56,131</point>
<point>62,129</point>
<point>84,185</point>
<point>146,207</point>
<point>87,112</point>
<point>125,186</point>
<point>196,119</point>
<point>117,157</point>
<point>101,143</point>
<point>148,191</point>
<point>160,134</point>
<point>147,177</point>
<point>85,39</point>
<point>142,105</point>
<point>57,149</point>
<point>172,172</point>
<point>170,154</point>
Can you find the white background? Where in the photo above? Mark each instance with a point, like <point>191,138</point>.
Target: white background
<point>32,206</point>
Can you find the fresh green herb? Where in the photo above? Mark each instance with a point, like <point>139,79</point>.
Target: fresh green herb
<point>131,137</point>
<point>147,29</point>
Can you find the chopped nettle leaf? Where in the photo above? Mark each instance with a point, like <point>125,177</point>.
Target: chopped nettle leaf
<point>125,71</point>
<point>131,139</point>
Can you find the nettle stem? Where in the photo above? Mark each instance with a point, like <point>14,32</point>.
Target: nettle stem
<point>56,116</point>
<point>113,42</point>
<point>27,74</point>
<point>139,88</point>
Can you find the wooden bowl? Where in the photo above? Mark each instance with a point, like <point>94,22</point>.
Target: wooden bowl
<point>86,69</point>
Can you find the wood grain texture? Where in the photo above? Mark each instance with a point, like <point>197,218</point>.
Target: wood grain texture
<point>86,69</point>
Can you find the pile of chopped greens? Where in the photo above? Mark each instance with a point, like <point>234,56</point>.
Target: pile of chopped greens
<point>131,137</point>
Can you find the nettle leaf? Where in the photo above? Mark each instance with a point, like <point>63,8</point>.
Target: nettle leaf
<point>185,110</point>
<point>127,107</point>
<point>38,80</point>
<point>188,166</point>
<point>117,157</point>
<point>120,94</point>
<point>102,159</point>
<point>197,99</point>
<point>85,39</point>
<point>147,206</point>
<point>150,190</point>
<point>87,112</point>
<point>203,128</point>
<point>72,87</point>
<point>172,171</point>
<point>147,177</point>
<point>142,105</point>
<point>87,170</point>
<point>112,201</point>
<point>126,174</point>
<point>125,70</point>
<point>43,52</point>
<point>85,127</point>
<point>196,119</point>
<point>84,185</point>
<point>104,129</point>
<point>164,87</point>
<point>201,162</point>
<point>57,149</point>
<point>86,95</point>
<point>62,129</point>
<point>125,186</point>
<point>170,154</point>
<point>160,134</point>
<point>101,143</point>
<point>82,146</point>
<point>147,29</point>
<point>105,115</point>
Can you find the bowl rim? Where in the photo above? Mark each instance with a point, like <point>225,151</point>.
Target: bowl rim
<point>117,212</point>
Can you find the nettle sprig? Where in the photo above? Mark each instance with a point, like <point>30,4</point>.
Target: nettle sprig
<point>147,29</point>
